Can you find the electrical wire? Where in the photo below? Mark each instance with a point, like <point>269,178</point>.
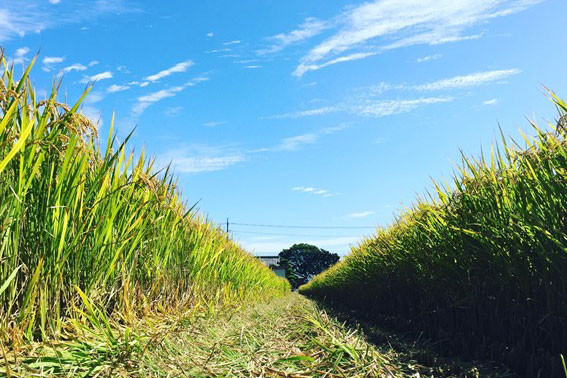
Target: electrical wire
<point>309,235</point>
<point>317,227</point>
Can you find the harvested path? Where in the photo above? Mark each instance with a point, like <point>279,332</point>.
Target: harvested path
<point>287,337</point>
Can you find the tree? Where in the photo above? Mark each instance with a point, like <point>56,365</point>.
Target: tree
<point>303,261</point>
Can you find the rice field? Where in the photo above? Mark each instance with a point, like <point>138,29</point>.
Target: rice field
<point>480,263</point>
<point>93,240</point>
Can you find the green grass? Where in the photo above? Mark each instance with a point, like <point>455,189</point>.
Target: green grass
<point>285,337</point>
<point>481,264</point>
<point>292,336</point>
<point>96,244</point>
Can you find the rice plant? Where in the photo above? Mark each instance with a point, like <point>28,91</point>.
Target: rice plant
<point>89,235</point>
<point>481,263</point>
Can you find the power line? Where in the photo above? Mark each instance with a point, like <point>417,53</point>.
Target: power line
<point>278,234</point>
<point>318,227</point>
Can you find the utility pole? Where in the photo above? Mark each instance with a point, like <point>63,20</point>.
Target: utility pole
<point>227,229</point>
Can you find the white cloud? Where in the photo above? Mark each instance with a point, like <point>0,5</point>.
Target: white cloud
<point>117,88</point>
<point>314,67</point>
<point>252,67</point>
<point>74,67</point>
<point>292,143</point>
<point>53,60</point>
<point>54,1</point>
<point>470,80</point>
<point>362,214</point>
<point>22,51</point>
<point>391,107</point>
<point>428,58</point>
<point>93,63</point>
<point>179,67</point>
<point>226,49</point>
<point>367,107</point>
<point>144,102</point>
<point>231,43</point>
<point>306,113</point>
<point>14,22</point>
<point>214,123</point>
<point>310,28</point>
<point>246,61</point>
<point>97,77</point>
<point>380,25</point>
<point>210,34</point>
<point>311,190</point>
<point>334,129</point>
<point>196,159</point>
<point>492,101</point>
<point>20,54</point>
<point>18,18</point>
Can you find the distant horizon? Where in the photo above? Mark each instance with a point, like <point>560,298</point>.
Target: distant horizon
<point>324,113</point>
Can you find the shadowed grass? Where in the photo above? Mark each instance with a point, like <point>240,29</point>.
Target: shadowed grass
<point>481,265</point>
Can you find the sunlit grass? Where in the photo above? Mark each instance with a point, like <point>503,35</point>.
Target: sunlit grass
<point>91,238</point>
<point>482,262</point>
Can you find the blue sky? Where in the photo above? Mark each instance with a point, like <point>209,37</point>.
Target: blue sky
<point>318,113</point>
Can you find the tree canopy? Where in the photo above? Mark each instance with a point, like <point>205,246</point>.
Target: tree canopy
<point>303,261</point>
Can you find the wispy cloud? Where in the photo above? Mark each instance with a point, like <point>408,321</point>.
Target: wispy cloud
<point>20,54</point>
<point>253,67</point>
<point>145,101</point>
<point>470,80</point>
<point>100,76</point>
<point>199,158</point>
<point>74,67</point>
<point>306,113</point>
<point>236,42</point>
<point>368,107</point>
<point>366,104</point>
<point>18,18</point>
<point>214,123</point>
<point>53,59</point>
<point>391,107</point>
<point>310,28</point>
<point>428,58</point>
<point>492,101</point>
<point>225,49</point>
<point>362,214</point>
<point>295,142</point>
<point>381,25</point>
<point>179,67</point>
<point>312,190</point>
<point>210,34</point>
<point>292,143</point>
<point>117,88</point>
